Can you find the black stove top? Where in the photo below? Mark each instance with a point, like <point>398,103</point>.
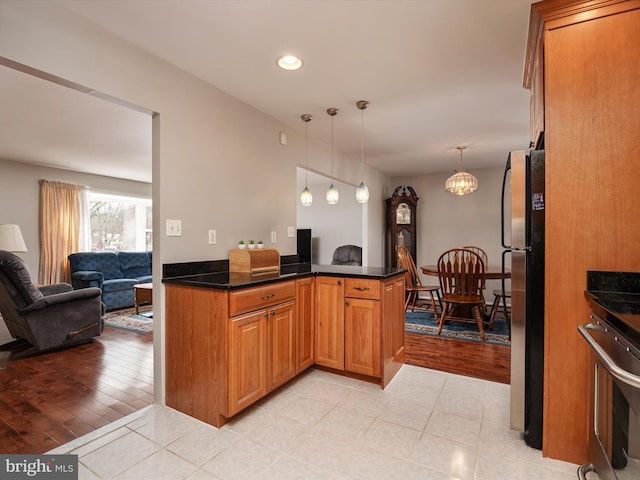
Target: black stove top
<point>615,296</point>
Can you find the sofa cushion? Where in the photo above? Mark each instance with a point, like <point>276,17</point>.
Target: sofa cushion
<point>116,284</point>
<point>106,262</point>
<point>19,284</point>
<point>135,264</point>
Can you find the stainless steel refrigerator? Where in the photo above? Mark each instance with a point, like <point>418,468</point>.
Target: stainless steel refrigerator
<point>523,207</point>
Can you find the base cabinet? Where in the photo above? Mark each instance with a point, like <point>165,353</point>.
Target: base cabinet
<point>362,336</point>
<point>360,325</point>
<point>228,349</point>
<point>281,345</point>
<point>305,323</point>
<point>247,361</point>
<point>330,322</point>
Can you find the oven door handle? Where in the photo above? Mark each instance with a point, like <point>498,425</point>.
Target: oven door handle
<point>613,368</point>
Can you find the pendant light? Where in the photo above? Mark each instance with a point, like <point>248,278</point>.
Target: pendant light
<point>461,182</point>
<point>362,192</point>
<point>332,194</point>
<point>305,197</point>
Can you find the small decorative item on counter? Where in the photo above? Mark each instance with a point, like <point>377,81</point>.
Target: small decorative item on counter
<point>252,244</point>
<point>241,245</point>
<point>260,244</point>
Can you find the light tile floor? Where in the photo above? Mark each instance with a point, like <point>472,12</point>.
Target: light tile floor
<point>425,425</point>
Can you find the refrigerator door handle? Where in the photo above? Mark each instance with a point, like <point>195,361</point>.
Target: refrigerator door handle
<point>504,184</point>
<point>504,288</point>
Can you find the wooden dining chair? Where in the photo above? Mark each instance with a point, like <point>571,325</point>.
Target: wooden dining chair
<point>498,298</point>
<point>414,287</point>
<point>485,259</point>
<point>462,281</point>
<point>479,251</point>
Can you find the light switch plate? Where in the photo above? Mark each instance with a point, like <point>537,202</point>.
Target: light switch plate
<point>273,237</point>
<point>291,232</point>
<point>174,228</point>
<point>212,237</point>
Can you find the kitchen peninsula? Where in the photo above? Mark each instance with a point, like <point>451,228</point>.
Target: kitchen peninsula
<point>232,338</point>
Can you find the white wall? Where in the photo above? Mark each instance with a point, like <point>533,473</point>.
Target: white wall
<point>217,162</point>
<point>331,225</point>
<point>20,198</point>
<point>446,220</point>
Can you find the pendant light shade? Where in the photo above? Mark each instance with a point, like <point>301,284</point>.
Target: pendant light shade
<point>461,182</point>
<point>362,192</point>
<point>332,194</point>
<point>306,199</point>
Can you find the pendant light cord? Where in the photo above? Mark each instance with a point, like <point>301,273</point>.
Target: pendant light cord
<point>362,146</point>
<point>332,149</point>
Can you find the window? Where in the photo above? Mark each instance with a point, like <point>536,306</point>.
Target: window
<point>120,223</point>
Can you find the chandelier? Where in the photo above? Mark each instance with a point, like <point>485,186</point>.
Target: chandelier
<point>461,182</point>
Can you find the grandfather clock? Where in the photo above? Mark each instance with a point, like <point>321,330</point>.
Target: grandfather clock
<point>401,224</point>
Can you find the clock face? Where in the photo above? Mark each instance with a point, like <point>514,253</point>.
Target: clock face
<point>403,214</point>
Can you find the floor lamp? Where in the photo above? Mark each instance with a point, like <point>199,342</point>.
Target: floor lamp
<point>11,239</point>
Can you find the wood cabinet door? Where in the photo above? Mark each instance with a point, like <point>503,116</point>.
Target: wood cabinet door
<point>281,328</point>
<point>247,360</point>
<point>392,329</point>
<point>330,322</point>
<point>305,323</point>
<point>362,336</point>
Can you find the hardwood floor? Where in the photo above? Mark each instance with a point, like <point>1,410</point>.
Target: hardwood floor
<point>473,359</point>
<point>52,398</point>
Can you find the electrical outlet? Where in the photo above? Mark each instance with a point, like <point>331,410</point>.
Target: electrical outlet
<point>212,237</point>
<point>174,228</point>
<point>273,237</point>
<point>291,232</point>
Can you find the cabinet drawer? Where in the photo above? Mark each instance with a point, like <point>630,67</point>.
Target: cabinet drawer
<point>254,298</point>
<point>362,288</point>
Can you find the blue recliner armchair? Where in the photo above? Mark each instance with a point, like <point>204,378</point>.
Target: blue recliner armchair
<point>114,273</point>
<point>48,317</point>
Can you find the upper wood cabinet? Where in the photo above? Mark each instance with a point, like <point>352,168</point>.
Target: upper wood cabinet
<point>583,66</point>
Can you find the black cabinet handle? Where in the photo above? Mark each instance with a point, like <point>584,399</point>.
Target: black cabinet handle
<point>339,282</point>
<point>361,289</point>
<point>267,297</point>
<point>347,303</point>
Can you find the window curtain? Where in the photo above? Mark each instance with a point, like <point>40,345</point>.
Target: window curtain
<point>60,226</point>
<point>84,238</point>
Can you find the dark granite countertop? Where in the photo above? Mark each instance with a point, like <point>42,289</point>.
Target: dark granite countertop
<point>233,280</point>
<point>615,296</point>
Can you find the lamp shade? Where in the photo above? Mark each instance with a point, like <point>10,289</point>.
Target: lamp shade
<point>11,238</point>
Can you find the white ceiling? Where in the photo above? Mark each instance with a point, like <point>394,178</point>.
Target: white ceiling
<point>437,74</point>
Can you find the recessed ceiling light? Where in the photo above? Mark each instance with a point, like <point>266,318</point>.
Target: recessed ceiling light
<point>289,62</point>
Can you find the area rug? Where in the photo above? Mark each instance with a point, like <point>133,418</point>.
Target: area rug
<point>126,319</point>
<point>423,323</point>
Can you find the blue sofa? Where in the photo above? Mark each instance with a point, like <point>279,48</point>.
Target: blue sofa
<point>114,273</point>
